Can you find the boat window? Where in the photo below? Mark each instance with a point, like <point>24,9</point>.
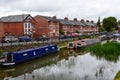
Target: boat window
<point>82,41</point>
<point>46,49</point>
<point>53,47</point>
<point>34,53</point>
<point>79,43</point>
<point>70,44</point>
<point>25,54</point>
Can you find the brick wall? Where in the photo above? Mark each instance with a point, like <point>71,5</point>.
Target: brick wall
<point>1,30</point>
<point>14,28</point>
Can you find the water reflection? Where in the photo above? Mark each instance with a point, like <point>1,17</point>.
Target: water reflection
<point>78,68</point>
<point>108,57</point>
<point>27,68</point>
<point>71,65</point>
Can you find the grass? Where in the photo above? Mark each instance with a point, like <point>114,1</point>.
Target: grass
<point>110,51</point>
<point>117,77</point>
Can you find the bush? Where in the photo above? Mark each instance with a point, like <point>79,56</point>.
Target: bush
<point>1,53</point>
<point>109,51</point>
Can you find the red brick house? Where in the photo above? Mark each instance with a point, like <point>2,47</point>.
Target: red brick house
<point>52,27</point>
<point>1,30</point>
<point>45,25</point>
<point>89,26</point>
<point>18,25</point>
<point>70,26</point>
<point>73,26</point>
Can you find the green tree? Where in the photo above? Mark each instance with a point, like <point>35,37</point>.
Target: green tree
<point>98,23</point>
<point>110,24</point>
<point>100,28</point>
<point>61,31</point>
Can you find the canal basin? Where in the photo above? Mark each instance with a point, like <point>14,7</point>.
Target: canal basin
<point>83,66</point>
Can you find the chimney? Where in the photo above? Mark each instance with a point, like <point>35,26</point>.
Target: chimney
<point>92,21</point>
<point>54,17</point>
<point>75,19</point>
<point>66,18</point>
<point>82,20</point>
<point>87,21</point>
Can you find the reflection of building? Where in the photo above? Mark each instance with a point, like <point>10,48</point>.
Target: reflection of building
<point>18,24</point>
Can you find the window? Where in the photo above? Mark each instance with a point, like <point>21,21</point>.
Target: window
<point>25,25</point>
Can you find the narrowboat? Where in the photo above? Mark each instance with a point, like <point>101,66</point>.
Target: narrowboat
<point>70,45</point>
<point>74,45</point>
<point>29,54</point>
<point>82,43</point>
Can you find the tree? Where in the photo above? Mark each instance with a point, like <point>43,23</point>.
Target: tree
<point>61,32</point>
<point>98,23</point>
<point>110,24</point>
<point>100,28</point>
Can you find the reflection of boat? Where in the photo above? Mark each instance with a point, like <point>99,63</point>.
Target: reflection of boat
<point>117,40</point>
<point>117,77</point>
<point>29,67</point>
<point>29,54</point>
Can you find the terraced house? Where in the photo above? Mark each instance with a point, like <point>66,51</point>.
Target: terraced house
<point>25,24</point>
<point>18,25</point>
<point>46,25</point>
<point>75,26</point>
<point>52,27</point>
<point>70,26</point>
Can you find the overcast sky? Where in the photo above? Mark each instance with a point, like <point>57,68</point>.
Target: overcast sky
<point>81,9</point>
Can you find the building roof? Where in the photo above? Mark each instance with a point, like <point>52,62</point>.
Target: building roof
<point>49,18</point>
<point>0,20</point>
<point>89,24</point>
<point>68,22</point>
<point>15,18</point>
<point>65,22</point>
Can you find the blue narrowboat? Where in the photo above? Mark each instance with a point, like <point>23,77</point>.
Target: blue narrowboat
<point>29,54</point>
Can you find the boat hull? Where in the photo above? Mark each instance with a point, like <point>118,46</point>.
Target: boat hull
<point>30,54</point>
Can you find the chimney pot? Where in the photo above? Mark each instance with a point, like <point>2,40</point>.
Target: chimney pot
<point>75,19</point>
<point>87,20</point>
<point>92,21</point>
<point>66,18</point>
<point>54,17</point>
<point>82,20</point>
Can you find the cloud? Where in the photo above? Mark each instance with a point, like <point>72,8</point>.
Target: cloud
<point>88,9</point>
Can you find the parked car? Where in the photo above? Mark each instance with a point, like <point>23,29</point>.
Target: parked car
<point>25,39</point>
<point>68,36</point>
<point>62,37</point>
<point>10,39</point>
<point>42,38</point>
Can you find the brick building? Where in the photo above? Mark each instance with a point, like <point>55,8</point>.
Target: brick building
<point>18,25</point>
<point>1,30</point>
<point>70,26</point>
<point>25,24</point>
<point>45,25</point>
<point>89,26</point>
<point>52,27</point>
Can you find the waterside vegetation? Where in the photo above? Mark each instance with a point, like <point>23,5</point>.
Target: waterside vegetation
<point>109,51</point>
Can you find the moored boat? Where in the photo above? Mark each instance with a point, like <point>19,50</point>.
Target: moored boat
<point>74,45</point>
<point>70,45</point>
<point>29,54</point>
<point>82,43</point>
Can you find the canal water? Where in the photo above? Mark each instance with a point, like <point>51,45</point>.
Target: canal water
<point>65,65</point>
